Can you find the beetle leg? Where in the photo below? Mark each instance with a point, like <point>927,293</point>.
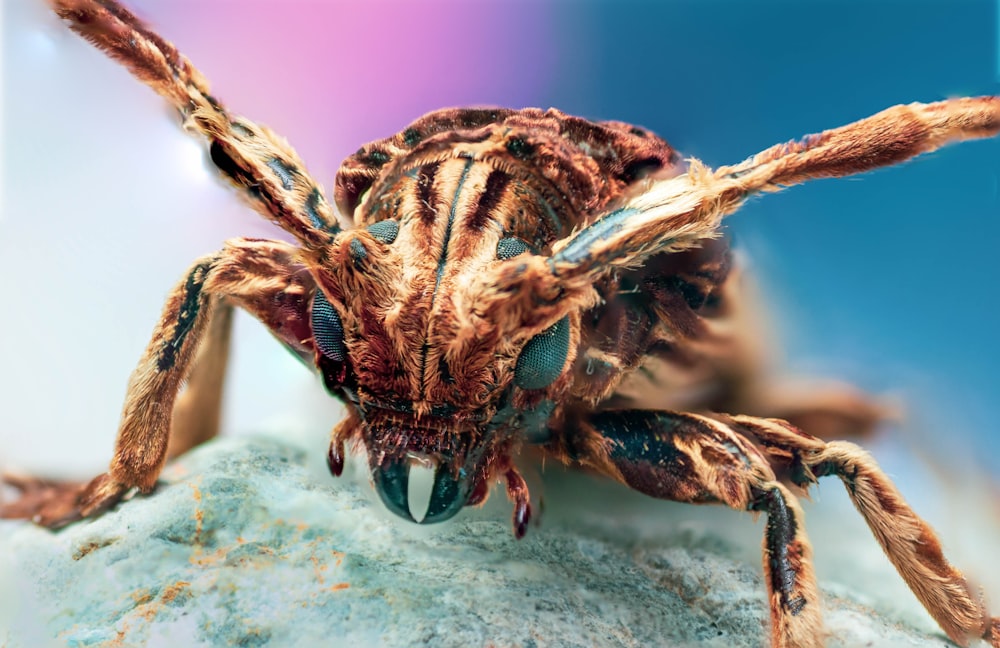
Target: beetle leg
<point>692,458</point>
<point>248,154</point>
<point>832,410</point>
<point>737,374</point>
<point>676,213</point>
<point>679,213</point>
<point>198,408</point>
<point>261,276</point>
<point>517,491</point>
<point>909,542</point>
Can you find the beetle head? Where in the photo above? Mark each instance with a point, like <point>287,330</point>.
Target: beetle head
<point>441,316</point>
<point>462,461</point>
<point>431,379</point>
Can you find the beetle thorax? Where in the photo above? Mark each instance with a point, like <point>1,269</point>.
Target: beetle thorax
<point>442,207</point>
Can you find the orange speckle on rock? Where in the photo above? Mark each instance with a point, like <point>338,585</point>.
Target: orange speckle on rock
<point>317,569</point>
<point>198,558</point>
<point>119,638</point>
<point>171,592</point>
<point>338,586</point>
<point>141,596</point>
<point>94,545</point>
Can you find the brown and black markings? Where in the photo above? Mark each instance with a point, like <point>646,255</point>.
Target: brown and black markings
<point>501,278</point>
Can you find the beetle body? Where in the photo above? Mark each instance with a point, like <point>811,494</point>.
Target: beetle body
<point>497,278</point>
<point>445,201</point>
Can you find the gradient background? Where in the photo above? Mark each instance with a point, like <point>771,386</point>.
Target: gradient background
<point>888,281</point>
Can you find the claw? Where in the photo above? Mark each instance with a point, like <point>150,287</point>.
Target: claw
<point>54,504</point>
<point>392,482</point>
<point>335,458</point>
<point>517,491</point>
<point>448,496</point>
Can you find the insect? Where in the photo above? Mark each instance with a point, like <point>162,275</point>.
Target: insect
<point>494,279</point>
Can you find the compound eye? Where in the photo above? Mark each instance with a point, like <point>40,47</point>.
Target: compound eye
<point>328,330</point>
<point>385,231</point>
<point>510,247</point>
<point>543,357</point>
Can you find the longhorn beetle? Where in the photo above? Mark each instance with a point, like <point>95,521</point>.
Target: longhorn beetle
<point>491,279</point>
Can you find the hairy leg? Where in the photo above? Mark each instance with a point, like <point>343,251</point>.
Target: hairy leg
<point>692,458</point>
<point>742,379</point>
<point>198,408</point>
<point>678,213</point>
<point>260,276</point>
<point>253,158</point>
<point>909,542</point>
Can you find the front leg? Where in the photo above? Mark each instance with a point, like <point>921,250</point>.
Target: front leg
<point>909,542</point>
<point>249,155</point>
<point>692,458</point>
<point>679,212</point>
<point>261,276</point>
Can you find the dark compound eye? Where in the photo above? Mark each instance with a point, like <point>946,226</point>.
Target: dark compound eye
<point>328,330</point>
<point>543,357</point>
<point>385,231</point>
<point>510,247</point>
<point>358,252</point>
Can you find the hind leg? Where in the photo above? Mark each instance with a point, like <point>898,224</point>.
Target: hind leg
<point>702,338</point>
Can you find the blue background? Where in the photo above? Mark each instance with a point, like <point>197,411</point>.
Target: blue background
<point>888,280</point>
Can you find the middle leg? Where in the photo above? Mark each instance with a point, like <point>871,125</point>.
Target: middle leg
<point>198,409</point>
<point>693,324</point>
<point>265,278</point>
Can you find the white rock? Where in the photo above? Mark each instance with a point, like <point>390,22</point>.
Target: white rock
<point>242,545</point>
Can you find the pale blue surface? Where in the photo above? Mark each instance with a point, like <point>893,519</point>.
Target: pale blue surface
<point>240,545</point>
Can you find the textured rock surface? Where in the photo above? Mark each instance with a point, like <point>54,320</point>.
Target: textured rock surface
<point>244,545</point>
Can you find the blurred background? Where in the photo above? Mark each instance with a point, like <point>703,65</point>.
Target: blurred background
<point>887,281</point>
